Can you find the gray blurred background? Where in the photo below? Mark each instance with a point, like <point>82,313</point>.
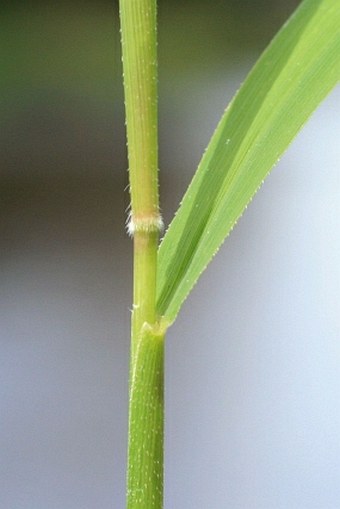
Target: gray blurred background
<point>253,363</point>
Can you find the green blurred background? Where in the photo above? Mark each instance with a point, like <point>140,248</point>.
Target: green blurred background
<point>267,438</point>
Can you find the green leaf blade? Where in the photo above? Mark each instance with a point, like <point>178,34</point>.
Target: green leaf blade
<point>294,74</point>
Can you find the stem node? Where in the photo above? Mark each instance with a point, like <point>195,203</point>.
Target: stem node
<point>146,223</point>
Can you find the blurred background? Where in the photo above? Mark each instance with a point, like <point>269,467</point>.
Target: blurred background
<point>253,363</point>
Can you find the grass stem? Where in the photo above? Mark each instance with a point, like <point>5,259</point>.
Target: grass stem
<point>145,449</point>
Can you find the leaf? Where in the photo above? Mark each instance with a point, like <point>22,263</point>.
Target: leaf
<point>294,74</point>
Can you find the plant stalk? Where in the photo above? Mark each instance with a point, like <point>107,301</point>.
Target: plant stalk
<point>145,440</point>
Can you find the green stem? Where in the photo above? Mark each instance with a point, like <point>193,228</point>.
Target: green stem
<point>145,450</point>
<point>145,469</point>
